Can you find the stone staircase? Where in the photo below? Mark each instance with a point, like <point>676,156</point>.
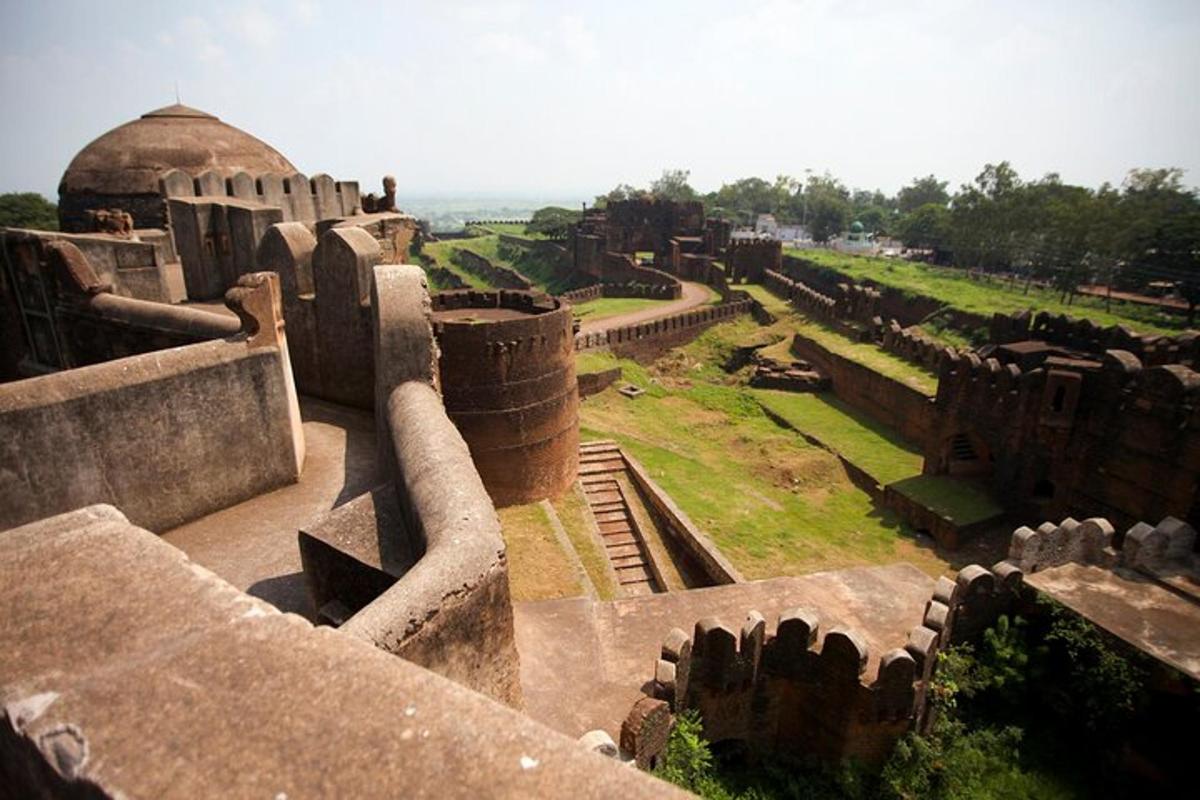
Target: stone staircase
<point>600,464</point>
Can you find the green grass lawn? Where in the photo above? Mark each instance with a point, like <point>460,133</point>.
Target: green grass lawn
<point>789,321</point>
<point>441,253</point>
<point>774,504</point>
<point>873,447</point>
<point>540,273</point>
<point>953,287</point>
<point>512,229</point>
<point>595,361</point>
<point>605,307</point>
<point>960,500</point>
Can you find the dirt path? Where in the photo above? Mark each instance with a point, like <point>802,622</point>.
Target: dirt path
<point>694,294</point>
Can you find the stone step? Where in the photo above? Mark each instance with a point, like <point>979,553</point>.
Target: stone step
<point>598,482</point>
<point>600,455</point>
<point>619,540</point>
<point>616,515</point>
<point>601,467</point>
<point>622,562</point>
<point>604,508</point>
<point>621,526</point>
<point>622,550</point>
<point>633,574</point>
<point>608,443</point>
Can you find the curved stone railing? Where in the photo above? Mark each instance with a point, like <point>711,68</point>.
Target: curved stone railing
<point>431,532</point>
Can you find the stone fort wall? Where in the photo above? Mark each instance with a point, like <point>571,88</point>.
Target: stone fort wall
<point>1113,436</point>
<point>170,436</point>
<point>509,385</point>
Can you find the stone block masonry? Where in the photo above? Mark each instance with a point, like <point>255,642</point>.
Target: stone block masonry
<point>171,435</point>
<point>417,566</point>
<point>507,370</point>
<point>791,690</point>
<point>104,621</point>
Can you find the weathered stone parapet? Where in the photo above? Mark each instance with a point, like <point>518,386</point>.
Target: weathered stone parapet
<point>669,330</point>
<point>792,690</point>
<point>105,620</point>
<point>221,417</point>
<point>417,567</point>
<point>914,346</point>
<point>299,198</point>
<point>1084,334</point>
<point>1162,548</point>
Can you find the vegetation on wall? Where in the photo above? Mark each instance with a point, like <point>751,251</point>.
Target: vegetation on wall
<point>1038,709</point>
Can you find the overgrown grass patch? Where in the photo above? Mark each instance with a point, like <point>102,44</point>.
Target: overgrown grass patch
<point>872,447</point>
<point>538,569</point>
<point>772,502</point>
<point>576,520</point>
<point>605,307</point>
<point>963,501</point>
<point>955,288</point>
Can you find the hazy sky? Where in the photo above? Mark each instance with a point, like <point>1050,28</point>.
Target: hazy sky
<point>570,98</point>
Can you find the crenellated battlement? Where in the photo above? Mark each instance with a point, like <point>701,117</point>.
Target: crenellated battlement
<point>801,295</point>
<point>807,691</point>
<point>302,199</point>
<point>1163,548</point>
<point>1087,336</point>
<point>914,346</point>
<point>1071,434</point>
<point>662,328</point>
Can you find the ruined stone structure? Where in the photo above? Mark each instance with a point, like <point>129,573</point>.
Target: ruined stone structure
<point>748,260</point>
<point>683,242</point>
<point>1071,434</point>
<point>1084,336</point>
<point>645,339</point>
<point>507,371</point>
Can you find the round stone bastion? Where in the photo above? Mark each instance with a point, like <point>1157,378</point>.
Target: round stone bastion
<point>507,370</point>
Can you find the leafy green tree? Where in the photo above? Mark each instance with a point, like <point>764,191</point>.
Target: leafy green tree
<point>622,191</point>
<point>922,191</point>
<point>745,199</point>
<point>827,207</point>
<point>927,227</point>
<point>553,222</point>
<point>673,185</point>
<point>28,210</point>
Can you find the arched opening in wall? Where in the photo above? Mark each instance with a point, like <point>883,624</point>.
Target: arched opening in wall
<point>966,453</point>
<point>258,186</point>
<point>312,185</point>
<point>287,185</point>
<point>229,187</point>
<point>196,187</point>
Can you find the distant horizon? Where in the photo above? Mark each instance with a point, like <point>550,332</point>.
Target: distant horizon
<point>528,99</point>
